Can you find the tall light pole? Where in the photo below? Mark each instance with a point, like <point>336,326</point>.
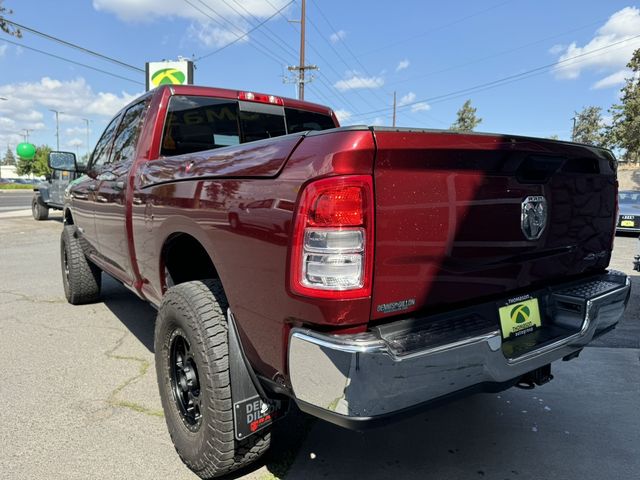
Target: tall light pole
<point>2,159</point>
<point>86,121</point>
<point>57,127</point>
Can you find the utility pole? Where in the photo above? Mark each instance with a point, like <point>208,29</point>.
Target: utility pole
<point>394,108</point>
<point>57,128</point>
<point>86,120</point>
<point>301,68</point>
<point>573,130</point>
<point>303,15</point>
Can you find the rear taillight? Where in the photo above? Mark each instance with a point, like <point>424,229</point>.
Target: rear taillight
<point>332,249</point>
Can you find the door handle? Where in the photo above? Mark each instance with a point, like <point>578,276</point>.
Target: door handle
<point>91,187</point>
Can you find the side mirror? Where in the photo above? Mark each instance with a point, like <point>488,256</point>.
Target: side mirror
<point>65,161</point>
<point>47,177</point>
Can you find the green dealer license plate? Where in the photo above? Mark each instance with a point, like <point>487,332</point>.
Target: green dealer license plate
<point>519,317</point>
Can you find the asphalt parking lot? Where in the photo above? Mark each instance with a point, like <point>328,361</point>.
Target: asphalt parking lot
<point>15,200</point>
<point>78,397</point>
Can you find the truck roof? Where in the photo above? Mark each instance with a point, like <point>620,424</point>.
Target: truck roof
<point>227,93</point>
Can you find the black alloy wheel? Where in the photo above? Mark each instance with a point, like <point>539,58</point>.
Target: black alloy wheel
<point>185,382</point>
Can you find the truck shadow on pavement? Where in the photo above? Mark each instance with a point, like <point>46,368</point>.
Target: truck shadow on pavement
<point>135,314</point>
<point>505,435</point>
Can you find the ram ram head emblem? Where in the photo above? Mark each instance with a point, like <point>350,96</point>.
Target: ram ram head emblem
<point>534,216</point>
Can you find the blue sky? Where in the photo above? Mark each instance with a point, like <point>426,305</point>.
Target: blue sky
<point>425,51</point>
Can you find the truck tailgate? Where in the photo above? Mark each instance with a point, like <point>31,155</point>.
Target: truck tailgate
<point>451,225</point>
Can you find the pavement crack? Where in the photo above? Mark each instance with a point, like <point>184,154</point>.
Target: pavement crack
<point>143,368</point>
<point>32,298</point>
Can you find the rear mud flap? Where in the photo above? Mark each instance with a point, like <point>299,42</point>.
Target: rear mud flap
<point>252,409</point>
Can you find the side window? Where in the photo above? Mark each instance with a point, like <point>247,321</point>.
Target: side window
<point>101,152</point>
<point>124,146</point>
<point>301,120</point>
<point>194,124</point>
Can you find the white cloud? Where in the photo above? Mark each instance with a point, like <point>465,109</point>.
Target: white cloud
<point>622,25</point>
<point>215,22</point>
<point>149,10</point>
<point>28,116</point>
<point>213,36</point>
<point>557,49</point>
<point>3,49</point>
<point>612,80</point>
<point>420,107</point>
<point>356,81</point>
<point>28,104</point>
<point>343,115</point>
<point>378,121</point>
<point>338,36</point>
<point>75,142</point>
<point>402,64</point>
<point>77,130</point>
<point>408,98</point>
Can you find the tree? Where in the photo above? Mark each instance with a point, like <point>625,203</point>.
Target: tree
<point>554,137</point>
<point>624,131</point>
<point>37,166</point>
<point>41,161</point>
<point>589,126</point>
<point>467,119</point>
<point>9,158</point>
<point>5,26</point>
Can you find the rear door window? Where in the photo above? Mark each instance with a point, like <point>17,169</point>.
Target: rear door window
<point>195,124</point>
<point>126,141</point>
<point>103,147</point>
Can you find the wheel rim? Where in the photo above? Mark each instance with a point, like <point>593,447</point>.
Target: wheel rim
<point>185,382</point>
<point>65,265</point>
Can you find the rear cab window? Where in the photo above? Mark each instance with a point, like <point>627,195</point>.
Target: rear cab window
<point>197,123</point>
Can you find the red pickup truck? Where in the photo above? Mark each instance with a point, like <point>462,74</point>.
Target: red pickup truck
<point>361,272</point>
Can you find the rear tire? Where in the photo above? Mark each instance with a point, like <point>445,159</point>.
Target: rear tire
<point>81,278</point>
<point>192,365</point>
<point>39,210</point>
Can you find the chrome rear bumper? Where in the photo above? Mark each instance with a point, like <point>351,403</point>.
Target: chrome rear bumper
<point>356,377</point>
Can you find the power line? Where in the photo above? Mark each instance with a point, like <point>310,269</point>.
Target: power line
<point>435,29</point>
<point>373,90</point>
<point>244,35</point>
<point>498,54</point>
<point>261,49</point>
<point>73,45</point>
<point>505,80</point>
<point>72,61</point>
<point>284,45</point>
<point>331,90</point>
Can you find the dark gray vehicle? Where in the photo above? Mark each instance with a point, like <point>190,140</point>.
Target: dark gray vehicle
<point>50,193</point>
<point>629,211</point>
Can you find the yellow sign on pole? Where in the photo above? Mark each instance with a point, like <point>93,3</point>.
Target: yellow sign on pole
<point>169,73</point>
